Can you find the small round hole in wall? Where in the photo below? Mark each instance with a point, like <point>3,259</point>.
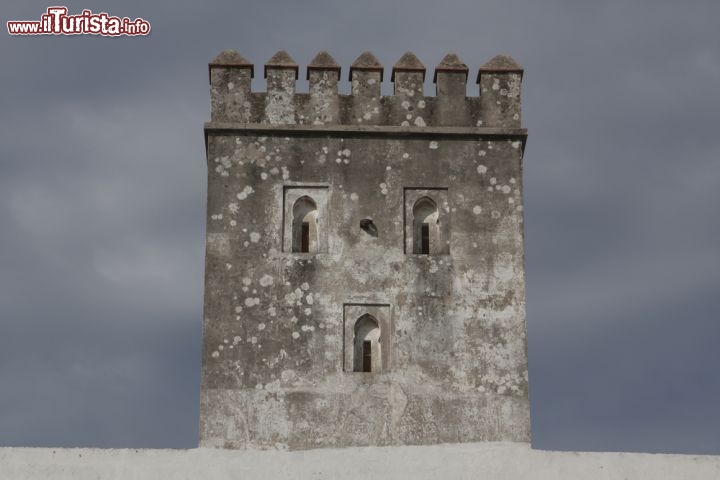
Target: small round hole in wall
<point>368,226</point>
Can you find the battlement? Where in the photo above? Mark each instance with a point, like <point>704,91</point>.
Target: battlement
<point>497,106</point>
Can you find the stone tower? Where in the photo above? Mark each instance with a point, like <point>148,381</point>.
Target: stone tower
<point>364,280</point>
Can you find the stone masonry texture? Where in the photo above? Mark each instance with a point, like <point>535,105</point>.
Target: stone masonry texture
<point>449,360</point>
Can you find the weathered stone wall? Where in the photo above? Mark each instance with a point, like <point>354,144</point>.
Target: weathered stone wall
<point>496,461</point>
<point>277,322</point>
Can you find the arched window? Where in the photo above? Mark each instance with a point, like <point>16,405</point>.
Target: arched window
<point>426,226</point>
<point>305,225</point>
<point>366,345</point>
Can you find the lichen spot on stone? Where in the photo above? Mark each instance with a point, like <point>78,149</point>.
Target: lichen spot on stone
<point>304,286</point>
<point>516,144</point>
<point>433,145</point>
<point>288,375</point>
<point>250,301</point>
<point>261,326</point>
<point>254,237</point>
<point>477,209</point>
<point>354,197</point>
<point>419,122</point>
<point>482,169</point>
<point>215,354</point>
<point>295,335</point>
<point>266,281</point>
<point>245,192</point>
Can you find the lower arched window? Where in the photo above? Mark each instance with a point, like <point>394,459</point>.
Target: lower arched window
<point>366,345</point>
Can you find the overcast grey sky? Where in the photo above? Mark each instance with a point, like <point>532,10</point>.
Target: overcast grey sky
<point>102,204</point>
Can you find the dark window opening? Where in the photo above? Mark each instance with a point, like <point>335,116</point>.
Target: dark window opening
<point>367,356</point>
<point>368,226</point>
<point>425,239</point>
<point>305,242</point>
<point>305,237</point>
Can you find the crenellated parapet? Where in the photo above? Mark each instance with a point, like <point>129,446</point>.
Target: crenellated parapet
<point>496,107</point>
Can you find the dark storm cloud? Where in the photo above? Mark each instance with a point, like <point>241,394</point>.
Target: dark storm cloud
<point>102,185</point>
